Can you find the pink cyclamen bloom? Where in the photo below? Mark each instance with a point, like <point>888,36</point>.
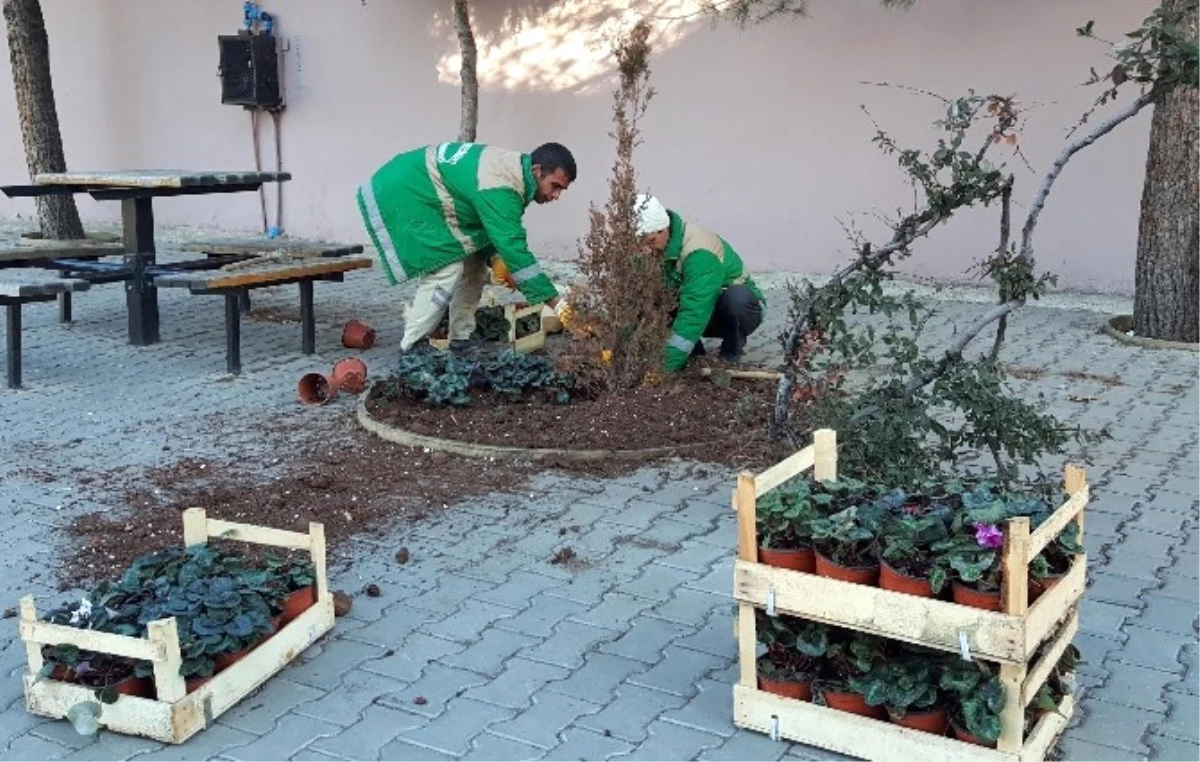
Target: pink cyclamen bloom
<point>989,535</point>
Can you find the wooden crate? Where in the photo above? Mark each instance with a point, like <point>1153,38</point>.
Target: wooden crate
<point>512,314</point>
<point>176,715</point>
<point>1010,637</point>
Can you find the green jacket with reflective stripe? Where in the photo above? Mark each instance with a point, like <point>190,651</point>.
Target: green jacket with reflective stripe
<point>433,206</point>
<point>699,265</point>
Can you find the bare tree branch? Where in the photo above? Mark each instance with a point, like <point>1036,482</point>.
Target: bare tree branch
<point>470,82</point>
<point>1001,250</point>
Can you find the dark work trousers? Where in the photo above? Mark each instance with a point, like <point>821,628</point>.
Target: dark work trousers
<point>736,315</point>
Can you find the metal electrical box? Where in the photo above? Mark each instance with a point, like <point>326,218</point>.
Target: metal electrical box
<point>249,70</point>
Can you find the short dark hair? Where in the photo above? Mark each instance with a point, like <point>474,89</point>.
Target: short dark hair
<point>552,157</point>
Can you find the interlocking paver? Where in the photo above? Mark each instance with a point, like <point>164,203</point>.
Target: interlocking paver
<point>480,567</point>
<point>462,721</point>
<point>630,714</point>
<point>487,657</point>
<point>541,723</point>
<point>403,751</point>
<point>29,747</point>
<point>1074,747</point>
<point>289,736</point>
<point>645,640</point>
<point>1183,719</point>
<point>670,741</point>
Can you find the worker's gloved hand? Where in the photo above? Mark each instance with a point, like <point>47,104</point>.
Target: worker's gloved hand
<point>500,273</point>
<point>562,311</point>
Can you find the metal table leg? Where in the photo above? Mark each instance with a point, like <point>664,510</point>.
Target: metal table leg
<point>64,307</point>
<point>308,323</point>
<point>13,346</point>
<point>233,332</point>
<point>141,296</point>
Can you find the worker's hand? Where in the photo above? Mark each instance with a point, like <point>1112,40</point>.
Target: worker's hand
<point>563,311</point>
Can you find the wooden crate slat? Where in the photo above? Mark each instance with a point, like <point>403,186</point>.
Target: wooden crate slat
<point>280,538</point>
<point>130,714</point>
<point>786,469</point>
<point>1051,527</point>
<point>90,640</point>
<point>1047,730</point>
<point>922,621</point>
<point>1052,608</point>
<point>1041,670</point>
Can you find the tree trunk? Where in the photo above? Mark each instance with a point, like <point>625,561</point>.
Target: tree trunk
<point>470,83</point>
<point>1166,303</point>
<point>29,51</point>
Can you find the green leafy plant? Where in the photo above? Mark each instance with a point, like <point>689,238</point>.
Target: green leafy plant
<point>850,537</point>
<point>785,515</point>
<point>978,698</point>
<point>850,654</point>
<point>906,682</point>
<point>794,647</point>
<point>908,537</point>
<point>447,378</point>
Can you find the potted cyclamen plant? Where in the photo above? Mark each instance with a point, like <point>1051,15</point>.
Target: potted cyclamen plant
<point>847,543</point>
<point>849,654</point>
<point>790,663</point>
<point>977,700</point>
<point>975,557</point>
<point>784,519</point>
<point>297,577</point>
<point>1053,563</point>
<point>906,686</point>
<point>907,561</point>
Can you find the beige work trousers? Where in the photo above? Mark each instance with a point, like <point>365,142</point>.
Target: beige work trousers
<point>458,286</point>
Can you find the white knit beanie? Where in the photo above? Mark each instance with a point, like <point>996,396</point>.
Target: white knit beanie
<point>652,215</point>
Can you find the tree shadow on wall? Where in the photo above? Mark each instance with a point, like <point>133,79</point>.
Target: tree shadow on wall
<point>556,45</point>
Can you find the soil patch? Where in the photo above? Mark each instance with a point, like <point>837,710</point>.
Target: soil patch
<point>686,411</point>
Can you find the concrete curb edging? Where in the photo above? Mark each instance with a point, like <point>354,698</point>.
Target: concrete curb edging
<point>407,438</point>
<point>1117,325</point>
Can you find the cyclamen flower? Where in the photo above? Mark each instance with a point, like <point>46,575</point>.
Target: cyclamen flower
<point>989,535</point>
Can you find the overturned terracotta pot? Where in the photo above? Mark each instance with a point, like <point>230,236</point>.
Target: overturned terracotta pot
<point>358,335</point>
<point>350,374</point>
<point>315,389</point>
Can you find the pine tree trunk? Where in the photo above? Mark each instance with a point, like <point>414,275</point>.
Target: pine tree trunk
<point>1166,301</point>
<point>470,83</point>
<point>29,51</point>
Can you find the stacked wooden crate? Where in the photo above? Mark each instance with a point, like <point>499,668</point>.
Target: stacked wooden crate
<point>1011,638</point>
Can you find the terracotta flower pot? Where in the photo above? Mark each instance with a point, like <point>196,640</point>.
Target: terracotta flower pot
<point>854,703</point>
<point>192,683</point>
<point>796,689</point>
<point>963,735</point>
<point>969,596</point>
<point>358,335</point>
<point>62,673</point>
<point>315,389</point>
<point>298,602</point>
<point>350,374</point>
<point>143,687</point>
<point>226,660</point>
<point>891,579</point>
<point>860,575</point>
<point>800,559</point>
<point>1037,587</point>
<point>930,720</point>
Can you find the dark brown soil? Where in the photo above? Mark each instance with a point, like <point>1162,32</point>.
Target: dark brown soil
<point>689,411</point>
<point>357,485</point>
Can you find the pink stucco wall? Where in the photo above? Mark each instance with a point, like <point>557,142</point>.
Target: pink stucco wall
<point>758,134</point>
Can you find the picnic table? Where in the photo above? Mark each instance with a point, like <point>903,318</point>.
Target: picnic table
<point>136,190</point>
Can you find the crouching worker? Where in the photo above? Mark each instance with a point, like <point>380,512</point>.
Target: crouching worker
<point>442,212</point>
<point>717,299</point>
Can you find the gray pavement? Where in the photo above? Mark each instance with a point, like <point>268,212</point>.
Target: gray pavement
<point>629,655</point>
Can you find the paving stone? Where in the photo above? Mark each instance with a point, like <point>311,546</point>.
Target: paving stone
<point>403,751</point>
<point>694,556</point>
<point>495,568</point>
<point>1143,543</point>
<point>410,659</point>
<point>598,679</point>
<point>311,755</point>
<point>1183,719</point>
<point>520,588</point>
<point>657,583</point>
<point>1104,619</point>
<point>1170,502</point>
<point>710,710</point>
<point>290,735</point>
<point>670,741</point>
<point>614,612</point>
<point>715,637</point>
<point>450,592</point>
<point>216,740</point>
<point>1154,649</point>
<point>1181,588</point>
<point>364,739</point>
<point>567,646</point>
<point>1095,648</point>
<point>1130,685</point>
<point>345,703</point>
<point>1167,614</point>
<point>1172,748</point>
<point>584,744</point>
<point>692,608</point>
<point>467,624</point>
<point>699,513</point>
<point>1074,747</point>
<point>258,712</point>
<point>1157,522</point>
<point>491,747</point>
<point>29,747</point>
<point>679,671</point>
<point>520,679</point>
<point>541,723</point>
<point>639,513</point>
<point>746,745</point>
<point>114,746</point>
<point>1186,564</point>
<point>338,657</point>
<point>1106,524</point>
<point>543,614</point>
<point>396,624</point>
<point>629,715</point>
<point>1118,726</point>
<point>645,640</point>
<point>591,583</point>
<point>487,657</point>
<point>719,579</point>
<point>1116,504</point>
<point>1122,485</point>
<point>464,719</point>
<point>15,721</point>
<point>1119,590</point>
<point>1128,564</point>
<point>437,686</point>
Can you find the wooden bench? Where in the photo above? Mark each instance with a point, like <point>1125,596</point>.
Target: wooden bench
<point>20,287</point>
<point>235,280</point>
<point>36,253</point>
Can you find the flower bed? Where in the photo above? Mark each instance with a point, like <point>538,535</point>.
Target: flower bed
<point>181,636</point>
<point>880,616</point>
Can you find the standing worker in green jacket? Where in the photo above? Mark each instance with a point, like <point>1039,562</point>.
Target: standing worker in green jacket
<point>717,298</point>
<point>442,212</point>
